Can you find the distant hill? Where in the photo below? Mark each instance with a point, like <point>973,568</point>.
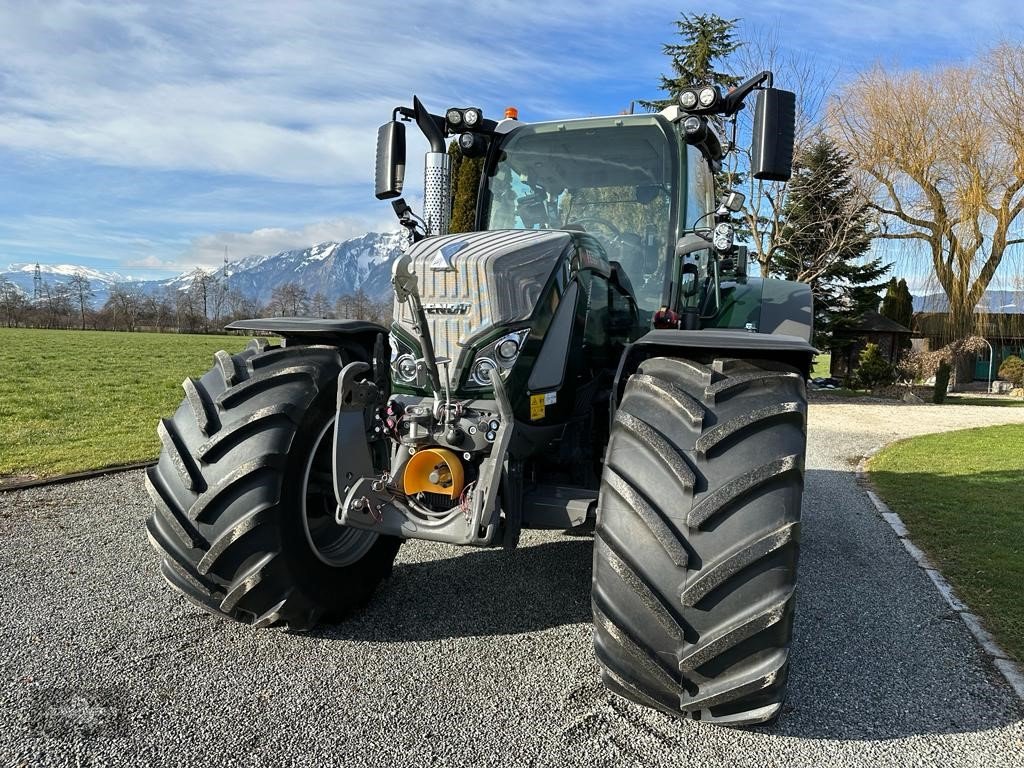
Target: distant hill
<point>334,268</point>
<point>342,268</point>
<point>993,302</point>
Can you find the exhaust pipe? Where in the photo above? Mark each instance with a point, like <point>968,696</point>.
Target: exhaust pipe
<point>437,205</point>
<point>437,173</point>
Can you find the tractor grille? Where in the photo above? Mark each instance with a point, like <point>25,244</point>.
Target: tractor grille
<point>496,278</point>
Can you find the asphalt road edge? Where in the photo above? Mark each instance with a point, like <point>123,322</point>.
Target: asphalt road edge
<point>1009,669</point>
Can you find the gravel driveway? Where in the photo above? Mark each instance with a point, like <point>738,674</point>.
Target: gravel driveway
<point>477,657</point>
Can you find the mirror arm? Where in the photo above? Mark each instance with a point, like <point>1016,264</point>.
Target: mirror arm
<point>733,101</point>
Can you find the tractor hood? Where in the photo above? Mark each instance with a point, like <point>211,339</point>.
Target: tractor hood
<point>470,283</point>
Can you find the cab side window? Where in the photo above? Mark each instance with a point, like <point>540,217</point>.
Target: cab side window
<point>595,334</point>
<point>622,317</point>
<point>700,187</point>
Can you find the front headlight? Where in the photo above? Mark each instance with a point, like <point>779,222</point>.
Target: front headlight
<point>500,355</point>
<point>480,373</point>
<point>406,369</point>
<point>404,366</point>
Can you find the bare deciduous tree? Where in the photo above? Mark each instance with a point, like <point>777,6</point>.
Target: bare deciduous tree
<point>289,299</point>
<point>203,288</point>
<point>318,305</point>
<point>218,298</point>
<point>945,150</point>
<point>13,303</point>
<point>124,305</point>
<point>82,294</point>
<point>360,306</point>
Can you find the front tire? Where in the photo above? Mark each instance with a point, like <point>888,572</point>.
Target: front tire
<point>697,538</point>
<point>243,500</point>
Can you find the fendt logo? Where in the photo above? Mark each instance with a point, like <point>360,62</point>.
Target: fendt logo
<point>443,259</point>
<point>459,308</point>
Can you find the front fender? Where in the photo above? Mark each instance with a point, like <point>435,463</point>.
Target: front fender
<point>790,350</point>
<point>310,330</point>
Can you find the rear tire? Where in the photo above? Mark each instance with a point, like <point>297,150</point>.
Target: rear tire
<point>697,538</point>
<point>244,503</point>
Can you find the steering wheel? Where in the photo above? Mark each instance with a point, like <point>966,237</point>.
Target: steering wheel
<point>615,231</point>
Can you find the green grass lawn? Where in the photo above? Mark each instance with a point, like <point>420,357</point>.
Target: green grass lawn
<point>961,497</point>
<point>822,363</point>
<point>990,401</point>
<point>76,400</point>
<point>844,392</point>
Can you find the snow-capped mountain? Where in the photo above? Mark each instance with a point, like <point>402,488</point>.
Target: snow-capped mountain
<point>334,269</point>
<point>23,277</point>
<point>340,269</point>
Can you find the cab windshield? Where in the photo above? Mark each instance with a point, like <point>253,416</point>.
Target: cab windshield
<point>612,177</point>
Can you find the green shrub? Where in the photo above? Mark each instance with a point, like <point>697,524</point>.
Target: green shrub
<point>941,383</point>
<point>873,370</point>
<point>1012,370</point>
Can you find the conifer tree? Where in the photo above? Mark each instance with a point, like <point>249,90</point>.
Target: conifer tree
<point>465,185</point>
<point>826,238</point>
<point>707,42</point>
<point>898,304</point>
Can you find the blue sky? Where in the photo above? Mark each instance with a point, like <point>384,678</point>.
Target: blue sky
<point>144,138</point>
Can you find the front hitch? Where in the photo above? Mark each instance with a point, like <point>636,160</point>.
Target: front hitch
<point>352,459</point>
<point>372,503</point>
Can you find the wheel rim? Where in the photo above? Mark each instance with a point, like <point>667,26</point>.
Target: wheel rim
<point>334,544</point>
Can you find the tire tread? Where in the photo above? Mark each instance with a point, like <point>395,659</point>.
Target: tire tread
<point>724,611</point>
<point>219,511</point>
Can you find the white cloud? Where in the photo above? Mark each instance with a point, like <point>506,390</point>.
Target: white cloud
<point>233,96</point>
<point>146,262</point>
<point>209,250</point>
<point>289,92</point>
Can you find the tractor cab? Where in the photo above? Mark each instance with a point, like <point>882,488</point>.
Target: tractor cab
<point>617,178</point>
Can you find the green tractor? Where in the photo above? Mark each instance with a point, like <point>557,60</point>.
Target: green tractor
<point>593,354</point>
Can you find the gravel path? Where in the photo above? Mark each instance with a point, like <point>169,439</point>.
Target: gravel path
<point>476,657</point>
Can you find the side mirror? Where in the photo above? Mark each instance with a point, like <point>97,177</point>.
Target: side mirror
<point>774,130</point>
<point>390,174</point>
<point>739,262</point>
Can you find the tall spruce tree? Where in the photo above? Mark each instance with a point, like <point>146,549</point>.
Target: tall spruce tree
<point>465,185</point>
<point>826,238</point>
<point>708,41</point>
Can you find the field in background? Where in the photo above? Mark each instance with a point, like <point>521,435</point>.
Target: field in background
<point>959,494</point>
<point>821,366</point>
<point>77,400</point>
